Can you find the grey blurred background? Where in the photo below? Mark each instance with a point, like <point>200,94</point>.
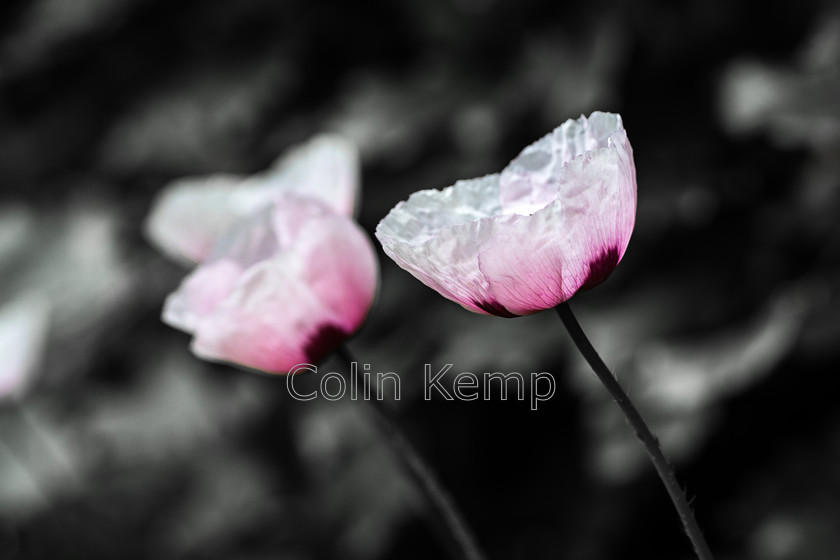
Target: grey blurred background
<point>722,320</point>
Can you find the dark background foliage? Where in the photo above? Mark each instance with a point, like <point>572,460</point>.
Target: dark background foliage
<point>721,319</point>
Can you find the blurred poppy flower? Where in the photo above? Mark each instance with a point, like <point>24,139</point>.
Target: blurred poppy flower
<point>286,274</point>
<point>556,220</point>
<point>282,287</point>
<point>191,213</point>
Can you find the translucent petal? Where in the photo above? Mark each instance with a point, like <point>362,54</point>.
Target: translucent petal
<point>200,293</point>
<point>298,305</point>
<point>341,268</point>
<point>557,219</point>
<point>535,262</point>
<point>191,214</point>
<point>325,168</point>
<point>433,235</point>
<point>529,182</point>
<point>265,322</point>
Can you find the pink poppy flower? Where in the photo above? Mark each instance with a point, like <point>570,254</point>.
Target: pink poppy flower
<point>191,214</point>
<point>282,287</point>
<point>556,220</point>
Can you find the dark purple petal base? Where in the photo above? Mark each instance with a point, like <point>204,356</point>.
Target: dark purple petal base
<point>324,340</point>
<point>601,268</point>
<point>493,307</point>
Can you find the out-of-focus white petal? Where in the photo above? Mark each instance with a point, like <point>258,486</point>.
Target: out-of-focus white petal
<point>190,215</point>
<point>297,306</point>
<point>249,240</point>
<point>340,268</point>
<point>283,287</point>
<point>265,322</point>
<point>200,293</point>
<point>291,213</point>
<point>325,168</point>
<point>23,334</point>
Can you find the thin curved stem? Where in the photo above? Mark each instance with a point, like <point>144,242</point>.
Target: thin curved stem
<point>663,467</point>
<point>438,497</point>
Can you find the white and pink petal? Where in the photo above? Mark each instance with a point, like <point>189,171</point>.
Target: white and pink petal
<point>297,306</point>
<point>325,168</point>
<point>558,219</point>
<point>340,267</point>
<point>433,236</point>
<point>189,215</point>
<point>529,182</point>
<point>266,323</point>
<point>200,293</point>
<point>283,287</point>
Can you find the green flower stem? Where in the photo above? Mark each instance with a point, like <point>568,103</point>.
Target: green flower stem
<point>663,468</point>
<point>437,496</point>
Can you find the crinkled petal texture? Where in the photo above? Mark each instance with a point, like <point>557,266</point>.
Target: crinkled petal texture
<point>191,214</point>
<point>556,220</point>
<point>283,288</point>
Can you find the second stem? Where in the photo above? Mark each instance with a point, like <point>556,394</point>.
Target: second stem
<point>660,463</point>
